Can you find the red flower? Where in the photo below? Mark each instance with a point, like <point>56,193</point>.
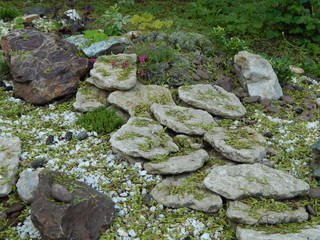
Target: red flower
<point>113,63</point>
<point>93,60</point>
<point>125,64</point>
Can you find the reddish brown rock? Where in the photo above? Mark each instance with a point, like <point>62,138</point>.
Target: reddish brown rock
<point>287,99</point>
<point>43,66</point>
<point>84,218</point>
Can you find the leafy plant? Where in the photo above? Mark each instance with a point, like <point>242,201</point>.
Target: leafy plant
<point>146,22</point>
<point>113,21</point>
<point>95,35</point>
<point>100,120</point>
<point>9,12</point>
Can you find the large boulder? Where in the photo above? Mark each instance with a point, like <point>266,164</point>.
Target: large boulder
<point>83,218</point>
<point>183,120</point>
<point>10,150</point>
<point>213,99</point>
<point>243,145</point>
<point>257,76</point>
<point>43,66</point>
<point>254,180</point>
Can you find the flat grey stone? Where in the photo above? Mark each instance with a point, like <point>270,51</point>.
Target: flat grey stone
<point>179,164</point>
<point>243,145</point>
<point>311,233</point>
<point>114,72</point>
<point>183,120</point>
<point>254,180</point>
<point>239,212</point>
<point>143,137</point>
<point>89,98</point>
<point>27,184</point>
<point>198,198</point>
<point>257,76</point>
<point>213,99</point>
<point>137,101</point>
<point>105,47</point>
<point>10,151</point>
<point>78,40</point>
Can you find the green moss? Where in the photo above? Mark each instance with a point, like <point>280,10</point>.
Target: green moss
<point>100,120</point>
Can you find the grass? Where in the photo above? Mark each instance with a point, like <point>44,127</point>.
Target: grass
<point>33,124</point>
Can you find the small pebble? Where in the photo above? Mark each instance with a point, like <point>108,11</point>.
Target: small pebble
<point>38,163</point>
<point>314,193</point>
<point>287,99</point>
<point>68,136</point>
<point>268,134</point>
<point>273,109</point>
<point>81,135</point>
<point>265,102</point>
<point>311,210</point>
<point>298,110</point>
<point>50,140</point>
<point>14,208</point>
<point>252,99</point>
<point>60,193</point>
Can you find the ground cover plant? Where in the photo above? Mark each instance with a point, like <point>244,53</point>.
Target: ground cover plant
<point>138,216</point>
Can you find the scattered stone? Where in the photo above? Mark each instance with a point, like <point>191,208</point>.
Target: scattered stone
<point>254,180</point>
<point>114,72</point>
<point>306,116</point>
<point>183,120</point>
<point>179,164</point>
<point>143,137</point>
<point>60,193</point>
<point>89,98</point>
<point>287,99</point>
<point>257,76</point>
<point>310,210</point>
<point>50,140</point>
<point>218,60</point>
<point>195,197</point>
<point>314,193</point>
<point>106,47</point>
<point>243,145</point>
<point>15,207</point>
<point>316,150</point>
<point>268,134</point>
<point>252,99</point>
<point>213,99</point>
<point>311,233</point>
<point>298,110</point>
<point>27,184</point>
<point>298,87</point>
<point>196,77</point>
<point>137,101</point>
<point>273,109</point>
<point>225,83</point>
<point>10,150</point>
<point>203,74</point>
<point>38,163</point>
<point>82,135</point>
<point>296,69</point>
<point>68,136</point>
<point>89,214</point>
<point>242,213</point>
<point>43,66</point>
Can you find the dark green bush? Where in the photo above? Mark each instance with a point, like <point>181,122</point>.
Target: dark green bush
<point>9,12</point>
<point>100,120</point>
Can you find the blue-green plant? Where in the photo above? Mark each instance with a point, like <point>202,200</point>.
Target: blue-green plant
<point>100,120</point>
<point>114,21</point>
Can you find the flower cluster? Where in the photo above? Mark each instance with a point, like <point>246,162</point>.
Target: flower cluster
<point>142,59</point>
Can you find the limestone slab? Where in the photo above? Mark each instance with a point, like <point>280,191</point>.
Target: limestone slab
<point>213,99</point>
<point>254,180</point>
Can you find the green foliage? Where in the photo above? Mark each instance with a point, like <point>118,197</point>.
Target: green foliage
<point>100,120</point>
<point>267,18</point>
<point>4,67</point>
<point>146,22</point>
<point>8,12</point>
<point>95,35</point>
<point>113,21</point>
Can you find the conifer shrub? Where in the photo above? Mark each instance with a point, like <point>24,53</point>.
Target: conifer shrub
<point>100,120</point>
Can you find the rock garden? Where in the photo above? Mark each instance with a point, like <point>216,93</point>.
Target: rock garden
<point>151,133</point>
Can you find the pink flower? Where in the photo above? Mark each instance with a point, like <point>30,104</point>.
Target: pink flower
<point>125,64</point>
<point>93,60</point>
<point>149,46</point>
<point>113,63</point>
<point>142,59</point>
<point>142,74</point>
<point>138,42</point>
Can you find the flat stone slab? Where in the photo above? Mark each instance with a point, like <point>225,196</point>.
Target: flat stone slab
<point>240,212</point>
<point>10,151</point>
<point>312,233</point>
<point>137,101</point>
<point>179,164</point>
<point>89,98</point>
<point>114,72</point>
<point>143,137</point>
<point>254,180</point>
<point>195,197</point>
<point>183,120</point>
<point>213,99</point>
<point>243,145</point>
